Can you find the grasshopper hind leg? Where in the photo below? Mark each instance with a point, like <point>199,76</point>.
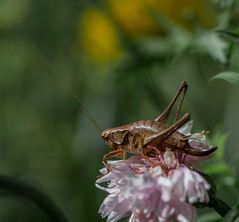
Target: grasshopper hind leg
<point>181,91</point>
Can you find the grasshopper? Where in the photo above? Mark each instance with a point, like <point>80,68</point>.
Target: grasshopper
<point>151,137</point>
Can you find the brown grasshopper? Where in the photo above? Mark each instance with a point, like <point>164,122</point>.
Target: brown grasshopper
<point>145,137</point>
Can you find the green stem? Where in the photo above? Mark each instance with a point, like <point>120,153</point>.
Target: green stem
<point>219,206</point>
<point>36,196</point>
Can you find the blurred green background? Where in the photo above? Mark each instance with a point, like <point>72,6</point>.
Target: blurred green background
<point>124,59</point>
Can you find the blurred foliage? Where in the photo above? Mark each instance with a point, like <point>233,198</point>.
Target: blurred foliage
<point>125,60</point>
<point>184,13</point>
<point>231,77</point>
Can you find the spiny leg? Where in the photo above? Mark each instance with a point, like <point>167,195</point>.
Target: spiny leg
<point>147,149</point>
<point>158,138</point>
<point>114,153</point>
<point>164,116</point>
<point>184,90</point>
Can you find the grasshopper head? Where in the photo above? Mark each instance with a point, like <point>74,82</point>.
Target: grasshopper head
<point>114,137</point>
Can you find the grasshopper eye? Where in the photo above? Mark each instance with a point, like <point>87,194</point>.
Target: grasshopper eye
<point>119,137</point>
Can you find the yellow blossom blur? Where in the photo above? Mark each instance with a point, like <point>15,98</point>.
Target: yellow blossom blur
<point>135,17</point>
<point>98,36</point>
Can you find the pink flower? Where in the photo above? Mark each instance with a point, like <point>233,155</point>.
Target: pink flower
<point>161,189</point>
<point>145,191</point>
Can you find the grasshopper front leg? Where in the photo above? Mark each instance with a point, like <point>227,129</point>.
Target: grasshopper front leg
<point>114,153</point>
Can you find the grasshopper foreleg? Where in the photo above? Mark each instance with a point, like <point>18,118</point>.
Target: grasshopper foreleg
<point>114,153</point>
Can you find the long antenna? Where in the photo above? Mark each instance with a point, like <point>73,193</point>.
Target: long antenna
<point>86,112</point>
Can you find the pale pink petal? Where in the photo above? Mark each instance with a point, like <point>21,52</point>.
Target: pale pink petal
<point>152,190</point>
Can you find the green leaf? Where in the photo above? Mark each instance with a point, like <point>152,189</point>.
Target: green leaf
<point>231,77</point>
<point>211,44</point>
<point>209,217</point>
<point>229,35</point>
<point>218,139</point>
<point>232,216</point>
<point>220,168</point>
